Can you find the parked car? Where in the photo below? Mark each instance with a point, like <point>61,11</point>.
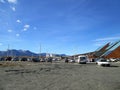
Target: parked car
<point>102,62</point>
<point>66,60</point>
<point>16,59</point>
<point>55,59</point>
<point>118,59</point>
<point>8,58</point>
<point>49,59</point>
<point>113,60</point>
<point>36,60</point>
<point>2,59</point>
<point>71,60</point>
<point>43,60</point>
<point>24,59</point>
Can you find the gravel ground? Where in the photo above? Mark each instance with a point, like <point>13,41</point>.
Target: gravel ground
<point>58,76</point>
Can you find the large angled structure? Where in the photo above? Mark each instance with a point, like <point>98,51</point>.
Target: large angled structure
<point>113,51</point>
<point>109,50</point>
<point>101,50</point>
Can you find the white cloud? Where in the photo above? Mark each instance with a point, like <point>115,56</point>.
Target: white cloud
<point>13,8</point>
<point>26,27</point>
<point>12,1</point>
<point>2,1</point>
<point>9,30</point>
<point>99,43</point>
<point>17,35</point>
<point>18,21</point>
<point>102,41</point>
<point>1,44</point>
<point>107,39</point>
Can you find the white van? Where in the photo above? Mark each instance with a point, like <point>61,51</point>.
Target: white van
<point>82,59</point>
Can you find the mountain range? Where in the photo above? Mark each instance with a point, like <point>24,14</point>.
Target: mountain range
<point>15,52</point>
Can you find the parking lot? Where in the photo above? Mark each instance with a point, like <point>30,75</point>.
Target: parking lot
<point>58,76</point>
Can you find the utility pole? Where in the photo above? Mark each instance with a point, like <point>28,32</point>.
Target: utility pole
<point>8,51</point>
<point>75,52</point>
<point>40,52</point>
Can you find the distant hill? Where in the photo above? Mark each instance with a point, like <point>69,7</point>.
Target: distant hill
<point>15,52</point>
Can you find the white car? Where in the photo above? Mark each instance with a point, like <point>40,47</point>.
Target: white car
<point>71,61</point>
<point>103,62</point>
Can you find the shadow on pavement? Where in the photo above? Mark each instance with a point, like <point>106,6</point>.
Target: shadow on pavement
<point>114,66</point>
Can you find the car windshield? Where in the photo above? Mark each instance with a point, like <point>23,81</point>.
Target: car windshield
<point>103,60</point>
<point>82,58</point>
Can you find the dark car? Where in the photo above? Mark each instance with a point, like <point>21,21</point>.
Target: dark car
<point>36,60</point>
<point>2,59</point>
<point>24,59</point>
<point>49,59</point>
<point>8,58</point>
<point>16,59</point>
<point>66,60</point>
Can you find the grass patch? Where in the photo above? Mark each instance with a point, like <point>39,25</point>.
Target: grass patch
<point>9,64</point>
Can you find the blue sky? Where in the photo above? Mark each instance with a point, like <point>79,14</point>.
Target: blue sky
<point>59,26</point>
